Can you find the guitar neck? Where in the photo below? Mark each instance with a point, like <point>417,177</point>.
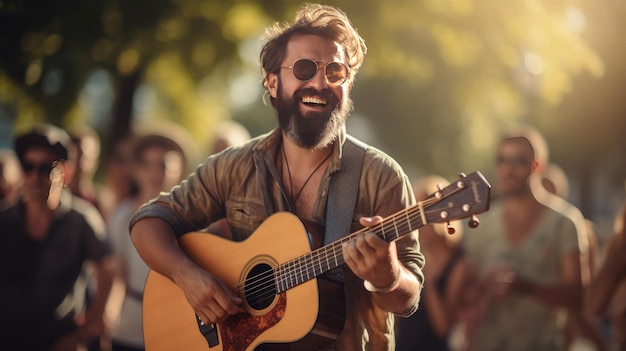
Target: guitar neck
<point>329,257</point>
<point>463,198</point>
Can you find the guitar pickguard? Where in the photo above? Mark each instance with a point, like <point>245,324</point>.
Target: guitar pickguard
<point>241,330</point>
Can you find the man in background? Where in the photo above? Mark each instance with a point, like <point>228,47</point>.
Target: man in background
<point>47,238</point>
<point>528,257</point>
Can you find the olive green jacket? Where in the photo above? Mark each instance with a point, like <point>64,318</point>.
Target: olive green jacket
<point>243,185</point>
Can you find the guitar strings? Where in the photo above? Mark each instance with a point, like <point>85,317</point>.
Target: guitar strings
<point>292,273</point>
<point>315,258</point>
<point>305,263</point>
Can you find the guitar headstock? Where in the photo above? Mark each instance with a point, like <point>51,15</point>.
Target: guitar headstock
<point>466,197</point>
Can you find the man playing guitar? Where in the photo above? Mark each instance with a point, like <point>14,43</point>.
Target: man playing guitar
<point>309,68</point>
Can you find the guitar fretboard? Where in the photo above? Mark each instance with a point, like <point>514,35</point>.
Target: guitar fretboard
<point>467,196</point>
<point>324,259</point>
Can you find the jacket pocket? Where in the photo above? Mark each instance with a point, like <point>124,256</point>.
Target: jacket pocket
<point>244,217</point>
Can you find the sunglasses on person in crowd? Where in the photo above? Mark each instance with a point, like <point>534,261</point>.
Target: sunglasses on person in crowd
<point>42,169</point>
<point>336,73</point>
<point>512,161</point>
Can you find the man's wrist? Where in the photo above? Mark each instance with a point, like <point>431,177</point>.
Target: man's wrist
<point>393,286</point>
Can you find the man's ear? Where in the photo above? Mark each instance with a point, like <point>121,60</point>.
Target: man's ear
<point>272,84</point>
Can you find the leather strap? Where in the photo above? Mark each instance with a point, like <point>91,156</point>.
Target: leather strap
<point>342,194</point>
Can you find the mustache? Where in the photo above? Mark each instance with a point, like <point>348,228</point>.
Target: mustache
<point>326,94</point>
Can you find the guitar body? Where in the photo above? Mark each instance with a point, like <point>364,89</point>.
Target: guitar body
<point>169,323</point>
<point>290,304</point>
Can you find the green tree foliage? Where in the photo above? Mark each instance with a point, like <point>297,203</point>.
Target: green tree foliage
<point>449,75</point>
<point>173,47</point>
<point>442,77</point>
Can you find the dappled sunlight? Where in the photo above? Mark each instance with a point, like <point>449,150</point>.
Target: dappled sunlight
<point>172,28</point>
<point>458,49</point>
<point>245,89</point>
<point>388,64</point>
<point>450,7</point>
<point>33,72</point>
<point>440,79</point>
<point>52,44</point>
<point>178,96</point>
<point>475,63</point>
<point>128,61</point>
<point>203,54</point>
<point>244,20</point>
<point>26,110</point>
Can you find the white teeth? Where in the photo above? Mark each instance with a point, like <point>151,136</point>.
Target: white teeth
<point>313,100</point>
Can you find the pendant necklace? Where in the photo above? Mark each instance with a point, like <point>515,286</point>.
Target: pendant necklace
<point>292,202</point>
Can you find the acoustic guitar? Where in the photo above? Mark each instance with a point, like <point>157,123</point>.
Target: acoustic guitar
<point>277,276</point>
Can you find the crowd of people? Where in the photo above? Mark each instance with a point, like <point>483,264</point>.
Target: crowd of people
<point>76,249</point>
<point>534,274</point>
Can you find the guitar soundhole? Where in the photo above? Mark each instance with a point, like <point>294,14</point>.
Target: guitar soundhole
<point>260,290</point>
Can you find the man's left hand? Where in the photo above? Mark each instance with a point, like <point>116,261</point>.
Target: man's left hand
<point>371,258</point>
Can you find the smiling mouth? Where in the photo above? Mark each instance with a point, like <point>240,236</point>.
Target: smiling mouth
<point>314,101</point>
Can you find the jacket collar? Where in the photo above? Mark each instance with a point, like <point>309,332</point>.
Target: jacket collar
<point>270,142</point>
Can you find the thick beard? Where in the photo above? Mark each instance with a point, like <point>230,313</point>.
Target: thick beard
<point>315,130</point>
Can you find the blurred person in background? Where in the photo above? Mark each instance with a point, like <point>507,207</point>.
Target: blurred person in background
<point>157,163</point>
<point>528,257</point>
<point>48,237</point>
<point>608,292</point>
<point>580,327</point>
<point>10,177</point>
<point>117,183</point>
<point>229,133</point>
<point>447,274</point>
<point>87,145</point>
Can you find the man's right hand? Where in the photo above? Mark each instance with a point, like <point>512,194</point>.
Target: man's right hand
<point>209,297</point>
<point>158,246</point>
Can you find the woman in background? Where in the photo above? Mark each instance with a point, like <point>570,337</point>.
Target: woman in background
<point>157,163</point>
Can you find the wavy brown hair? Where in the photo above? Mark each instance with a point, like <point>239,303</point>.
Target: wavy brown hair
<point>322,20</point>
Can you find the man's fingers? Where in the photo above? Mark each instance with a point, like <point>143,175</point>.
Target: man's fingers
<point>370,221</point>
<point>228,301</point>
<point>214,313</point>
<point>217,303</point>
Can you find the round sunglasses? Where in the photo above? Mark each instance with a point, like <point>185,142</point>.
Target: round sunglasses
<point>335,73</point>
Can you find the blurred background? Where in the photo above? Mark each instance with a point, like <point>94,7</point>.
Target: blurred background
<point>441,80</point>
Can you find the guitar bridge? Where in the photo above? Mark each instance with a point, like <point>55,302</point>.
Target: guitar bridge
<point>209,332</point>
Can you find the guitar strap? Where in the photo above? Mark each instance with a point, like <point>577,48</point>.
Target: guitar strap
<point>342,195</point>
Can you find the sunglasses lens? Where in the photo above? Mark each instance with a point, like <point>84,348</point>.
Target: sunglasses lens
<point>336,73</point>
<point>28,167</point>
<point>304,69</point>
<point>43,169</point>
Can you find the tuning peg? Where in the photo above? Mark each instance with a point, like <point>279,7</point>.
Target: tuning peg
<point>473,222</point>
<point>462,175</point>
<point>450,229</point>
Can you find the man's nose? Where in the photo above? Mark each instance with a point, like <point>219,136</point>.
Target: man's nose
<point>319,79</point>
